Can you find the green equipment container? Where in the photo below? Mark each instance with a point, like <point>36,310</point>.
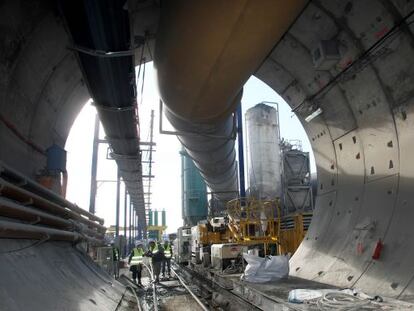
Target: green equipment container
<point>150,223</point>
<point>193,192</point>
<point>155,218</point>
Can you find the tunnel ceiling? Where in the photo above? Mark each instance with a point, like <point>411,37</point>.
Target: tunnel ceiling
<point>362,140</point>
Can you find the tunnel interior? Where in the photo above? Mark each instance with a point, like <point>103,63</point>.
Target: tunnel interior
<point>362,139</point>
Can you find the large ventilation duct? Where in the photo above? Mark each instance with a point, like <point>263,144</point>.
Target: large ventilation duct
<point>225,42</point>
<point>211,146</point>
<point>101,38</point>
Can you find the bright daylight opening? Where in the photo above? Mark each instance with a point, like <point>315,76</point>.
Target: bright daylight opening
<point>201,168</point>
<point>166,184</point>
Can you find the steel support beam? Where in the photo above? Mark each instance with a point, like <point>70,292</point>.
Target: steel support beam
<point>94,166</point>
<point>118,199</point>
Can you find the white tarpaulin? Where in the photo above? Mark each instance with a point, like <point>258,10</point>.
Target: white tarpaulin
<point>261,270</point>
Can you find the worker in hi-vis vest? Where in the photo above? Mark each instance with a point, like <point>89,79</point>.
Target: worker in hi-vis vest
<point>135,262</point>
<point>167,260</point>
<point>156,252</point>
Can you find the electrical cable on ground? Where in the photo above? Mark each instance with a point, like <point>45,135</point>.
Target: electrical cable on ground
<point>136,297</point>
<point>344,302</point>
<point>154,287</point>
<point>120,301</point>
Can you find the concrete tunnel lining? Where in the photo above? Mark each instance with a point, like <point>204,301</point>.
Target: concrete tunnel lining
<point>51,278</point>
<point>362,142</point>
<point>41,87</point>
<point>41,93</point>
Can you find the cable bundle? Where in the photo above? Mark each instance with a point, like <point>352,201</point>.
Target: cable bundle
<point>345,302</point>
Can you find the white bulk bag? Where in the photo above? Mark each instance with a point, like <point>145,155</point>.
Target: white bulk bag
<point>261,270</point>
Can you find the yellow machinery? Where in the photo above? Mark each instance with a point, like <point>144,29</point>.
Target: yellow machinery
<point>156,232</point>
<point>292,231</point>
<point>204,236</point>
<point>253,221</point>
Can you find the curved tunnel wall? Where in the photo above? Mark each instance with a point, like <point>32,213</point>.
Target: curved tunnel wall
<point>42,90</point>
<point>363,142</point>
<point>41,86</point>
<point>41,93</point>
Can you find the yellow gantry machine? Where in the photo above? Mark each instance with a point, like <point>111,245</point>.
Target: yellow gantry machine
<point>254,222</point>
<point>257,222</point>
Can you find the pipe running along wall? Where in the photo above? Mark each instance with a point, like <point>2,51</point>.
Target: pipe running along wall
<point>101,28</point>
<point>362,138</point>
<point>225,42</point>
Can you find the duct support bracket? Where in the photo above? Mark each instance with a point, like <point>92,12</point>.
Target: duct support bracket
<point>99,53</point>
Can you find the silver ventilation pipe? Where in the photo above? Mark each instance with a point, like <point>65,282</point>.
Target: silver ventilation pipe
<point>211,146</point>
<point>205,51</point>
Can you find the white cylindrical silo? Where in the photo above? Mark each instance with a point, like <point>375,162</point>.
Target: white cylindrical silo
<point>264,160</point>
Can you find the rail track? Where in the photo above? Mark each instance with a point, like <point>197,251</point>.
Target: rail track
<point>205,293</point>
<point>202,305</point>
<point>213,296</point>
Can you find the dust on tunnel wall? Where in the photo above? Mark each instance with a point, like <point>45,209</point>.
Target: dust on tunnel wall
<point>41,86</point>
<point>362,142</point>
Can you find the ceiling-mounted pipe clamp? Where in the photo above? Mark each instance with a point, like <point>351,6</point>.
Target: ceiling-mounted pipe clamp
<point>136,180</point>
<point>118,156</point>
<point>100,53</point>
<point>115,109</point>
<point>196,134</point>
